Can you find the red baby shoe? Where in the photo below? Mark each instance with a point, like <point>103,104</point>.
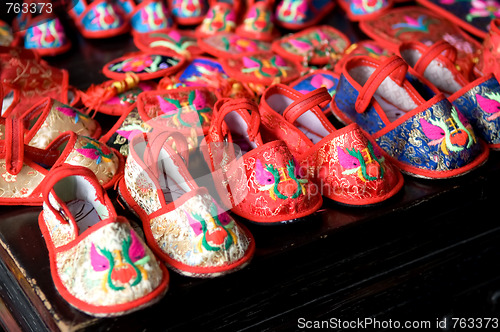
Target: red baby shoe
<point>183,224</point>
<point>264,184</point>
<point>344,163</point>
<point>97,261</point>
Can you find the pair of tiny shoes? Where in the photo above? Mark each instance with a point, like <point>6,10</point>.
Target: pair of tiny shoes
<point>43,33</point>
<point>99,18</point>
<point>425,137</point>
<point>478,100</point>
<point>24,169</point>
<point>184,226</point>
<point>146,15</point>
<point>98,263</point>
<point>344,164</point>
<point>259,180</point>
<point>301,14</point>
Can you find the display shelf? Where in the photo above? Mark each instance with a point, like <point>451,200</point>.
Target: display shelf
<point>429,253</point>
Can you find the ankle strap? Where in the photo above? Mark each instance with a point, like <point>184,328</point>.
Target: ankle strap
<point>394,67</point>
<point>432,52</point>
<point>14,144</point>
<point>317,97</point>
<point>156,142</point>
<point>246,108</point>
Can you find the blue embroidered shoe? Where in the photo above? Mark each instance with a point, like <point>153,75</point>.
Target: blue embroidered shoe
<point>427,138</point>
<point>478,101</point>
<point>300,14</point>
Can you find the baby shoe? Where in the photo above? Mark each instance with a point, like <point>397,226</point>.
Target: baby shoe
<point>258,22</point>
<point>98,263</point>
<point>188,12</point>
<point>143,65</point>
<point>301,14</point>
<point>6,35</point>
<point>221,17</point>
<point>202,71</point>
<point>182,42</point>
<point>146,15</point>
<point>24,168</point>
<point>99,18</point>
<point>318,45</point>
<point>47,119</point>
<point>410,23</point>
<point>358,10</point>
<point>318,78</point>
<point>264,184</point>
<point>183,224</point>
<point>41,32</point>
<point>343,163</point>
<point>187,110</point>
<point>25,80</point>
<point>425,138</point>
<point>490,59</point>
<point>231,45</point>
<point>478,101</point>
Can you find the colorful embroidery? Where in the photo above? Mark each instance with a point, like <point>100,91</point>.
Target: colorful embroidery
<point>420,24</point>
<point>269,177</point>
<point>49,34</point>
<point>220,18</point>
<point>188,8</point>
<point>153,16</point>
<point>203,72</point>
<point>483,8</point>
<point>122,267</point>
<point>276,66</point>
<point>366,163</point>
<point>292,11</point>
<point>317,81</point>
<point>144,63</point>
<point>196,104</point>
<point>174,41</point>
<point>360,7</point>
<point>104,17</point>
<point>450,133</point>
<point>490,105</point>
<point>259,19</point>
<point>213,233</point>
<point>74,114</point>
<point>96,151</point>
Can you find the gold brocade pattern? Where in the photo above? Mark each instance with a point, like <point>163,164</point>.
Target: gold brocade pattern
<point>19,185</point>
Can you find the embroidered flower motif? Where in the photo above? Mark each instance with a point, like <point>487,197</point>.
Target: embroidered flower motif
<point>450,133</point>
<point>148,63</point>
<point>9,177</point>
<point>192,112</point>
<point>292,11</point>
<point>105,17</point>
<point>153,16</point>
<point>73,113</point>
<point>188,8</point>
<point>258,19</point>
<point>367,6</point>
<point>48,34</point>
<point>420,24</point>
<point>240,44</point>
<point>483,8</point>
<point>123,267</point>
<point>219,19</point>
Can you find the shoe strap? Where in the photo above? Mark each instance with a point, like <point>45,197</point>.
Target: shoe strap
<point>394,66</point>
<point>434,51</point>
<point>156,142</point>
<point>317,97</point>
<point>246,108</point>
<point>14,143</point>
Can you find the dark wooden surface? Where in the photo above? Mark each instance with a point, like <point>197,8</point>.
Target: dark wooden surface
<point>431,252</point>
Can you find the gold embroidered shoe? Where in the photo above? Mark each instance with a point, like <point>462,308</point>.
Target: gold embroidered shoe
<point>23,168</point>
<point>97,261</point>
<point>183,224</point>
